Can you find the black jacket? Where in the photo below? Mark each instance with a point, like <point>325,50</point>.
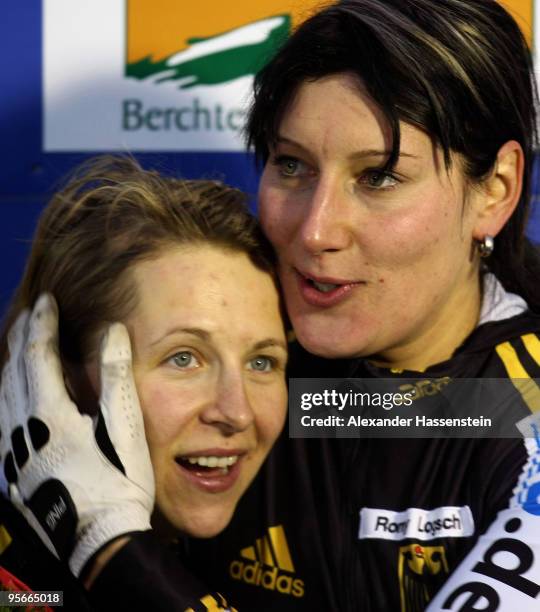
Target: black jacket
<point>352,525</point>
<point>380,524</point>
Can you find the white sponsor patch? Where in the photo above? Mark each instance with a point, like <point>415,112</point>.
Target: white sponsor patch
<point>443,522</point>
<point>502,571</point>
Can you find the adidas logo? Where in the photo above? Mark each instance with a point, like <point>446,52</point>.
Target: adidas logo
<point>268,564</point>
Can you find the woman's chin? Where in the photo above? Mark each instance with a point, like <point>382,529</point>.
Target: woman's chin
<point>335,343</point>
<point>207,526</point>
<point>197,523</point>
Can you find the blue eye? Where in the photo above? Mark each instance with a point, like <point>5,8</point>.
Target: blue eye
<point>184,360</point>
<point>262,364</point>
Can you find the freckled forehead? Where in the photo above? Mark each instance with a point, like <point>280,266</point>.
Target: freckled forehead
<point>195,284</point>
<point>196,268</point>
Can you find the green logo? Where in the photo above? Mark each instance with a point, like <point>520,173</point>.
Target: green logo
<point>218,59</point>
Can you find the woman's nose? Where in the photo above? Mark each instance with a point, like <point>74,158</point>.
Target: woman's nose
<point>325,225</point>
<point>230,408</point>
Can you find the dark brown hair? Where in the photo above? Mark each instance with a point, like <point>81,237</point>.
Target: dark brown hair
<point>458,69</point>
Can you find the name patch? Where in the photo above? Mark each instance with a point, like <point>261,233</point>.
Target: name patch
<point>417,523</point>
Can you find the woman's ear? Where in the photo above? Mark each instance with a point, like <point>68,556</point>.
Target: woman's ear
<point>500,191</point>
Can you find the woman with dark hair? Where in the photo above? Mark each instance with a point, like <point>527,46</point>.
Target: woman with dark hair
<point>397,138</point>
<point>397,141</point>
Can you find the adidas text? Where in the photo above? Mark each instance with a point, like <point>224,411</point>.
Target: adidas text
<point>271,579</point>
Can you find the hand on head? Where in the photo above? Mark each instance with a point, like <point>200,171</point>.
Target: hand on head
<point>58,477</point>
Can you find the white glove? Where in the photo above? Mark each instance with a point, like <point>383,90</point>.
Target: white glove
<point>59,479</point>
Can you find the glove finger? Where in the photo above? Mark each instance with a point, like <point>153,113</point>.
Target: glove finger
<point>13,399</point>
<point>119,401</point>
<point>14,385</point>
<point>46,388</point>
<point>4,443</point>
<point>6,411</point>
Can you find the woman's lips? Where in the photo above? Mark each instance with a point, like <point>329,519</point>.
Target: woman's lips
<point>211,479</point>
<point>324,293</point>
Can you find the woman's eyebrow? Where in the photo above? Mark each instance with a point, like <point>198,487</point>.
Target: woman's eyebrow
<point>280,139</point>
<point>195,331</point>
<point>378,153</point>
<point>205,335</point>
<point>269,342</point>
<point>361,154</point>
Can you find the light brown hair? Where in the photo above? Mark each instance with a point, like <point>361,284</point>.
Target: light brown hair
<point>110,215</point>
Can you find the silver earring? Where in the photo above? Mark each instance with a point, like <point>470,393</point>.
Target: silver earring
<point>486,246</point>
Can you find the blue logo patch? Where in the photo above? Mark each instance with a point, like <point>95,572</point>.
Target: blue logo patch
<point>529,496</point>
